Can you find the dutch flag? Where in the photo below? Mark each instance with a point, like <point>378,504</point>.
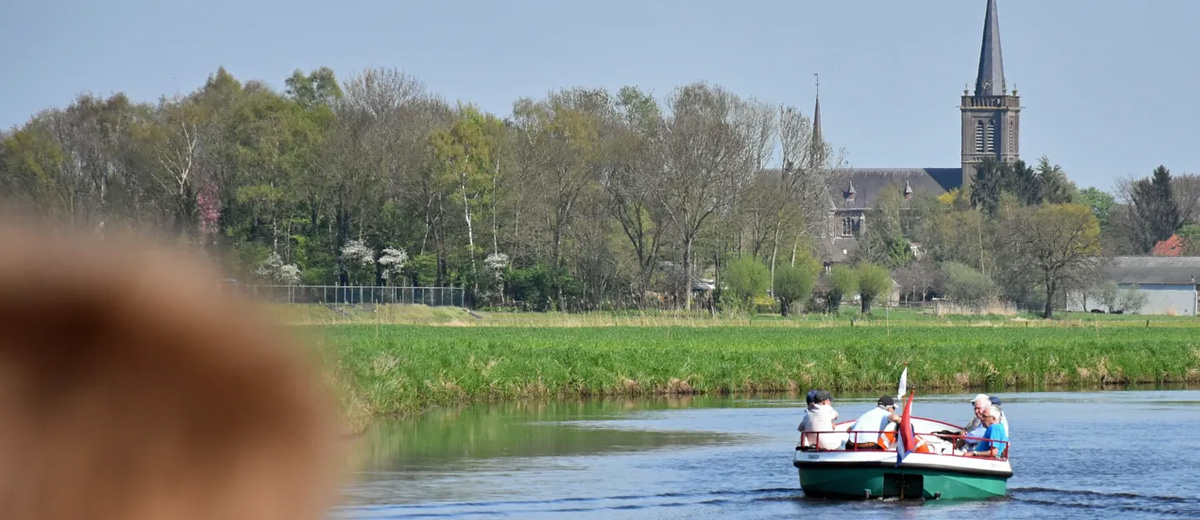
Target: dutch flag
<point>907,438</point>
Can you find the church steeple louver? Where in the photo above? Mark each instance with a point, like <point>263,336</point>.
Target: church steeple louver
<point>990,81</point>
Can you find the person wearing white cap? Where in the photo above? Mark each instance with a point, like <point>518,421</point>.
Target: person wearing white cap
<point>975,428</point>
<point>995,443</point>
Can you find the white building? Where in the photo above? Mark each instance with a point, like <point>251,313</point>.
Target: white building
<point>1169,283</point>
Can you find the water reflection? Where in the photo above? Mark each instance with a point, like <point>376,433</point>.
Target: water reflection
<point>459,438</point>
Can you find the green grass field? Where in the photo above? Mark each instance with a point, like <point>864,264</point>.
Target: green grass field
<point>401,369</point>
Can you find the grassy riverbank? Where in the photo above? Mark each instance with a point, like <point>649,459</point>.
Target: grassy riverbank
<point>401,369</point>
<point>304,314</point>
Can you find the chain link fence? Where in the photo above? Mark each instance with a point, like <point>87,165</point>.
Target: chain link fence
<point>350,295</point>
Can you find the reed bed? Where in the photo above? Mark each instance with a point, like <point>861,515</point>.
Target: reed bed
<point>398,370</point>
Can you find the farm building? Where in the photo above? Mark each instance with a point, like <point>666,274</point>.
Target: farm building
<point>1169,283</point>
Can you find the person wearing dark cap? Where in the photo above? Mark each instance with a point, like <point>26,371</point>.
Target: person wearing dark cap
<point>808,408</point>
<point>1003,418</point>
<point>975,429</point>
<point>819,417</point>
<point>866,432</point>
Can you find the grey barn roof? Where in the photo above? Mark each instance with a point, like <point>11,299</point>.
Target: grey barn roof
<point>1144,270</point>
<point>870,182</point>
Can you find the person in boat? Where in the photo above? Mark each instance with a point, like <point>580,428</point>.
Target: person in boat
<point>809,401</point>
<point>975,428</point>
<point>866,434</point>
<point>995,444</point>
<point>1003,418</point>
<point>819,417</point>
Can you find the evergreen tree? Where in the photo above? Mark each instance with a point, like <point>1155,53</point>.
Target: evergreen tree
<point>990,180</point>
<point>1046,183</point>
<point>1154,209</point>
<point>1053,187</point>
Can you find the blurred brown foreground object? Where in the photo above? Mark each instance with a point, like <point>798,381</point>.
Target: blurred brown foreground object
<point>130,389</point>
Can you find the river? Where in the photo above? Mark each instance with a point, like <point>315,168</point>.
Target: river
<point>1133,453</point>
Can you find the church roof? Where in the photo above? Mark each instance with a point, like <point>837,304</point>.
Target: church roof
<point>990,81</point>
<point>837,250</point>
<point>869,183</point>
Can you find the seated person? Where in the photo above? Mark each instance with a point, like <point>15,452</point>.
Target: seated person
<point>995,444</point>
<point>1003,418</point>
<point>870,425</point>
<point>820,417</point>
<point>975,428</point>
<point>809,407</point>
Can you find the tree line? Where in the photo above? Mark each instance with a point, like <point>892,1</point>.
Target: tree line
<point>1027,235</point>
<point>581,199</point>
<point>574,200</point>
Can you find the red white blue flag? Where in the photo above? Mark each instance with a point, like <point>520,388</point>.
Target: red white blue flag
<point>906,440</point>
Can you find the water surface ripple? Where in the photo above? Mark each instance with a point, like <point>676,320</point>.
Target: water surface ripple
<point>1075,455</point>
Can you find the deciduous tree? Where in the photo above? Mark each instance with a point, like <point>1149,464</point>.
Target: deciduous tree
<point>1061,243</point>
<point>714,144</point>
<point>794,282</point>
<point>746,278</point>
<point>968,287</point>
<point>873,281</point>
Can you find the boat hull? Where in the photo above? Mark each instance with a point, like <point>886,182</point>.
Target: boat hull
<point>864,482</point>
<point>876,475</point>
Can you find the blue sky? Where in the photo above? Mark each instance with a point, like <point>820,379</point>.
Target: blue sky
<point>1109,88</point>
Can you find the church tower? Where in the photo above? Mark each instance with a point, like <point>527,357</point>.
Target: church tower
<point>991,118</point>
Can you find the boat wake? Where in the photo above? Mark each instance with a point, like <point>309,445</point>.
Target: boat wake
<point>1188,507</point>
<point>551,507</point>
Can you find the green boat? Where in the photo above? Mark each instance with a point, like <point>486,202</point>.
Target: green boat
<point>935,471</point>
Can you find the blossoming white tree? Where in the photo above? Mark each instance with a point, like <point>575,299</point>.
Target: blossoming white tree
<point>273,270</point>
<point>496,264</point>
<point>356,258</point>
<point>392,260</point>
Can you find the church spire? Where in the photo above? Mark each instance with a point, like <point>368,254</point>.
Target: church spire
<point>817,153</point>
<point>816,132</point>
<point>991,64</point>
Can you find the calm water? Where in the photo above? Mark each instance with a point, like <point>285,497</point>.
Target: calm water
<point>1133,454</point>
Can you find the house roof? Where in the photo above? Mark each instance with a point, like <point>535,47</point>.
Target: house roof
<point>1170,247</point>
<point>869,183</point>
<point>675,273</point>
<point>1183,270</point>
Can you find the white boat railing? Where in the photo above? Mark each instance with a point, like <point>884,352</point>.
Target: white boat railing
<point>810,441</point>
